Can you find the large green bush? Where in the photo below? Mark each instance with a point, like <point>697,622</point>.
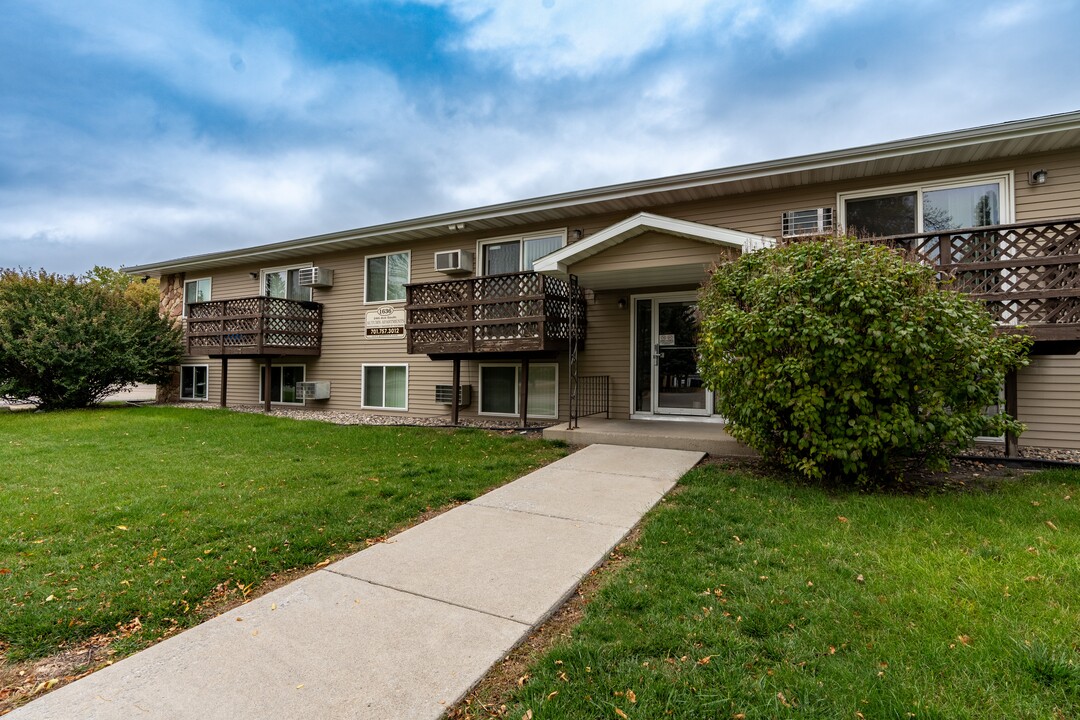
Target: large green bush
<point>839,358</point>
<point>68,343</point>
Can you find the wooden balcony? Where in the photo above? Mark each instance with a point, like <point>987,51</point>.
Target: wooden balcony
<point>1027,274</point>
<point>514,313</point>
<point>254,327</point>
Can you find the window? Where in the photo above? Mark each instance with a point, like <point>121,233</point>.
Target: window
<point>508,255</point>
<point>385,277</point>
<point>500,384</point>
<point>386,387</point>
<point>807,222</point>
<point>284,283</point>
<point>196,291</point>
<point>194,380</point>
<point>283,379</point>
<point>974,202</point>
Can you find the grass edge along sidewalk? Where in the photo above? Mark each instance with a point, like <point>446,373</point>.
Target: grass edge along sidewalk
<point>747,597</point>
<point>123,513</point>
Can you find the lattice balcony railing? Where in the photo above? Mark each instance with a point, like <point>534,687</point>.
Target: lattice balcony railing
<point>493,313</point>
<point>254,326</point>
<point>1027,274</point>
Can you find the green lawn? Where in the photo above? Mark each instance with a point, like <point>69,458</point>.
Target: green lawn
<point>749,597</point>
<point>119,513</point>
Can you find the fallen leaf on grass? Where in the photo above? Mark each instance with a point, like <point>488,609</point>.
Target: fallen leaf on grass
<point>1051,525</point>
<point>631,696</point>
<point>5,571</point>
<point>121,527</point>
<point>551,695</point>
<point>841,518</point>
<point>621,714</point>
<point>705,660</point>
<point>323,564</point>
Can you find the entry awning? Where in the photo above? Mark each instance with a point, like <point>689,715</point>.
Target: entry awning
<point>661,251</point>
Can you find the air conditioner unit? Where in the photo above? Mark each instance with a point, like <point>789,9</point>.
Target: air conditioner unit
<point>445,394</point>
<point>816,221</point>
<point>454,261</point>
<point>316,277</point>
<point>313,390</point>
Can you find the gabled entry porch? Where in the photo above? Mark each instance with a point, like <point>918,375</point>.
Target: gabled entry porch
<point>641,278</point>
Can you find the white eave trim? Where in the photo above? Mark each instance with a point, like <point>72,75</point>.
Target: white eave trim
<point>561,260</point>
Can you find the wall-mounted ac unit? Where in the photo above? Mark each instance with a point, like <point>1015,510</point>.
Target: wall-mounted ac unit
<point>454,261</point>
<point>317,277</point>
<point>445,394</point>
<point>313,390</point>
<point>815,221</point>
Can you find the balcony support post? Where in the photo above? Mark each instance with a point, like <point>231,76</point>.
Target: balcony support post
<point>1011,408</point>
<point>524,394</point>
<point>457,392</point>
<point>266,384</point>
<point>224,378</point>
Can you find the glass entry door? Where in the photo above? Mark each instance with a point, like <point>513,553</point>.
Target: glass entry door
<point>666,378</point>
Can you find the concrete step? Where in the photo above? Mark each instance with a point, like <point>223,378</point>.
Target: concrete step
<point>706,437</point>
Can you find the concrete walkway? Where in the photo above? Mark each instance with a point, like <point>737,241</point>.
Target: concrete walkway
<point>706,437</point>
<point>402,629</point>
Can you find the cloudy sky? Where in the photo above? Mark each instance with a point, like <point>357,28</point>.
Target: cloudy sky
<point>133,131</point>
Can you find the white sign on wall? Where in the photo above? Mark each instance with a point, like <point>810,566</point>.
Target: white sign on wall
<point>386,322</point>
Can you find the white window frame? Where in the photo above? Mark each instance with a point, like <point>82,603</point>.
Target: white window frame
<point>517,389</point>
<point>282,268</point>
<point>480,264</point>
<point>408,278</point>
<point>209,293</point>
<point>262,381</point>
<point>363,381</point>
<point>194,366</point>
<point>1004,180</point>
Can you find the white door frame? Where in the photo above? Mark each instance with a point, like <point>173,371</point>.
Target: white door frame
<point>654,413</point>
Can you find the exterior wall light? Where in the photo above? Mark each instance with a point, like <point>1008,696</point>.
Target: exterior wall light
<point>254,275</point>
<point>1037,177</point>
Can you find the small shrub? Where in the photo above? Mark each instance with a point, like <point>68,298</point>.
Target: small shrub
<point>836,357</point>
<point>66,343</point>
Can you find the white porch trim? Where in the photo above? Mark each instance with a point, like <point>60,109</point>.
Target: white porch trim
<point>560,260</point>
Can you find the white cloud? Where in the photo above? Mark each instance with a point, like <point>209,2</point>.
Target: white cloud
<point>558,38</point>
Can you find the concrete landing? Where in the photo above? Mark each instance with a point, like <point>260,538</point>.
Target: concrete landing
<point>402,629</point>
<point>707,437</point>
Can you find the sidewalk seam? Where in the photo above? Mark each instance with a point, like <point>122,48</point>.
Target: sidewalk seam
<point>474,503</point>
<point>426,597</point>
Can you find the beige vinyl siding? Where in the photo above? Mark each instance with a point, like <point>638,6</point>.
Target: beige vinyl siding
<point>607,350</point>
<point>653,250</point>
<point>1048,395</point>
<point>344,347</point>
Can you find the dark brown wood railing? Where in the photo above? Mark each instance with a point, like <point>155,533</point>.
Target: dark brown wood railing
<point>1027,274</point>
<point>254,327</point>
<point>516,312</point>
